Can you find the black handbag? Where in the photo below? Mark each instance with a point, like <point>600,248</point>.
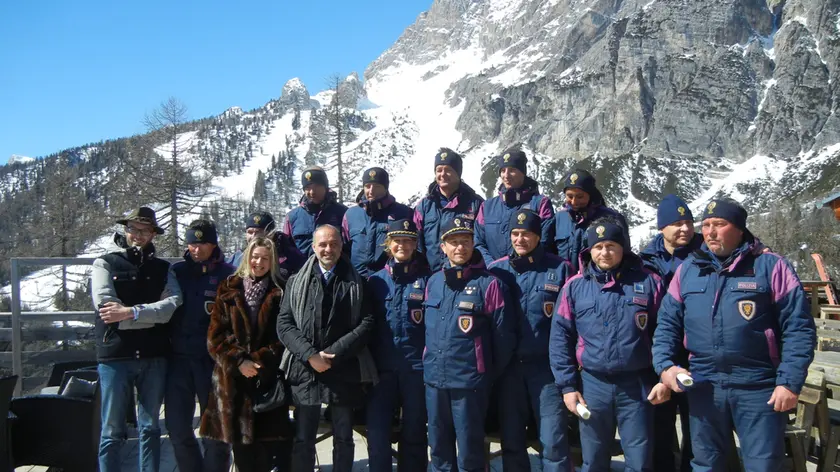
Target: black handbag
<point>270,392</point>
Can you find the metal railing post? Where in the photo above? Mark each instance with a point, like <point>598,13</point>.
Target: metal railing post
<point>17,344</point>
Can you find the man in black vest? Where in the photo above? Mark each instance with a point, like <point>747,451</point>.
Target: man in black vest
<point>136,295</point>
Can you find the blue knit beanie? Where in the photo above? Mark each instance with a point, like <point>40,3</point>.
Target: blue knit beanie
<point>729,210</point>
<point>672,209</point>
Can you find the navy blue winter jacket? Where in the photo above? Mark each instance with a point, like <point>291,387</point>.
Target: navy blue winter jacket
<point>535,280</point>
<point>492,227</point>
<point>302,222</point>
<point>431,212</point>
<point>470,327</point>
<point>745,321</point>
<point>199,282</point>
<point>570,230</point>
<point>364,228</point>
<point>399,291</point>
<point>605,321</point>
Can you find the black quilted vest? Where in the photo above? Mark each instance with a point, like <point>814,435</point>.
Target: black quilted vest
<point>138,279</point>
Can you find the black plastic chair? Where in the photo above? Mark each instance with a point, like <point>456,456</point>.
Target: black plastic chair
<point>57,431</point>
<point>7,388</point>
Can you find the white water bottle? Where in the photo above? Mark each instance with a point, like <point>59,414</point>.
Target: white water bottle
<point>685,380</point>
<point>582,411</point>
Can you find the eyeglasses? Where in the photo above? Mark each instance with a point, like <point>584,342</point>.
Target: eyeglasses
<point>137,231</point>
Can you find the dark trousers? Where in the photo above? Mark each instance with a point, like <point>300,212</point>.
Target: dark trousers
<point>397,389</point>
<point>526,390</point>
<point>255,457</point>
<point>716,409</point>
<point>187,379</point>
<point>664,435</point>
<point>621,399</point>
<point>456,416</point>
<point>307,418</point>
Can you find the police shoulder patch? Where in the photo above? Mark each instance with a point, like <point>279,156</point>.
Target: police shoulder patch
<point>641,319</point>
<point>747,309</point>
<point>208,307</point>
<point>465,323</point>
<point>548,309</point>
<point>417,316</point>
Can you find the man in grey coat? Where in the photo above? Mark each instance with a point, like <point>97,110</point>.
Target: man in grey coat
<point>325,323</point>
<point>135,294</point>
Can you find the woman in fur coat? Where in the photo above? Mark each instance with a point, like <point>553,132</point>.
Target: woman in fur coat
<point>242,339</point>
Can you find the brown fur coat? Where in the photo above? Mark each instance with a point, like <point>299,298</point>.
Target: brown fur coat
<point>229,416</point>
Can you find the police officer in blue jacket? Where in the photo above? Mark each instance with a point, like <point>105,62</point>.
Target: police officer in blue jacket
<point>470,326</point>
<point>448,198</point>
<point>318,206</point>
<point>604,326</point>
<point>583,205</point>
<point>676,241</point>
<point>518,191</point>
<point>364,226</point>
<point>527,386</point>
<point>742,315</point>
<point>191,368</point>
<point>398,292</point>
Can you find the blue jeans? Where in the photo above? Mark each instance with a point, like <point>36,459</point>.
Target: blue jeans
<point>715,409</point>
<point>117,379</point>
<point>619,398</point>
<point>187,379</point>
<point>397,389</point>
<point>527,389</point>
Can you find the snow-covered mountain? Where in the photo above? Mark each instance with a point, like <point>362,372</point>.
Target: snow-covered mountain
<point>734,97</point>
<point>18,159</point>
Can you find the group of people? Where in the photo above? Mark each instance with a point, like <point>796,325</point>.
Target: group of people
<point>446,319</point>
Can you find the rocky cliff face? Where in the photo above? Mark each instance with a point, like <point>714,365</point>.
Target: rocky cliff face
<point>665,91</point>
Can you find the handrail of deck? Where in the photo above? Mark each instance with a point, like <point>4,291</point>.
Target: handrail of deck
<point>18,315</point>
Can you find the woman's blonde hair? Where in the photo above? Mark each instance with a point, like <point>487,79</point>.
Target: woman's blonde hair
<point>244,269</point>
<point>388,240</point>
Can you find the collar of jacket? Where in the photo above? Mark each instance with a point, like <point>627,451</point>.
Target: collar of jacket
<point>460,274</point>
<point>205,267</point>
<point>657,247</point>
<point>463,190</point>
<point>402,270</point>
<point>529,261</point>
<point>706,259</point>
<point>315,208</point>
<point>610,278</point>
<point>134,254</point>
<point>518,196</point>
<point>376,205</point>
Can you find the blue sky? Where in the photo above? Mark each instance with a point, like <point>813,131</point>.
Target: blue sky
<point>78,72</point>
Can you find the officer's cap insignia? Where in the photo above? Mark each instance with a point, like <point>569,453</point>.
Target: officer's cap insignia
<point>198,234</point>
<point>208,307</point>
<point>521,218</point>
<point>641,319</point>
<point>506,157</point>
<point>573,178</point>
<point>457,222</point>
<point>711,208</point>
<point>681,211</point>
<point>257,219</point>
<point>308,175</point>
<point>372,173</point>
<point>600,231</point>
<point>548,309</point>
<point>465,323</point>
<point>406,224</point>
<point>417,316</point>
<point>442,156</point>
<point>747,309</point>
